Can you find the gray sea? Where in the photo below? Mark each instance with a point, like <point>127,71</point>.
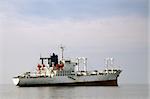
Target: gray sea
<point>77,92</point>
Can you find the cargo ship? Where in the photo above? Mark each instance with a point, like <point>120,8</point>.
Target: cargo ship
<point>52,71</point>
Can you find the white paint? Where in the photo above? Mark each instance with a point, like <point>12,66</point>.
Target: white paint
<point>15,81</point>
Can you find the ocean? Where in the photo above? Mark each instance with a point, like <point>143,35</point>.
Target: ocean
<point>75,92</point>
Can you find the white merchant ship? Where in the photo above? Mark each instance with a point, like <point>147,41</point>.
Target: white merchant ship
<point>66,72</point>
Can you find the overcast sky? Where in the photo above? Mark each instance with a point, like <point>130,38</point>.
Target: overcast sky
<point>96,29</point>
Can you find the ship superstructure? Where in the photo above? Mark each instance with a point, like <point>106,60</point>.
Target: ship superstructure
<point>67,72</point>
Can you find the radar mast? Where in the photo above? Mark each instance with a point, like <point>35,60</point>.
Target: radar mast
<point>62,52</point>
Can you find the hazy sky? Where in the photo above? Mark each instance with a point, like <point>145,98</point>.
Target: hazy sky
<point>95,29</point>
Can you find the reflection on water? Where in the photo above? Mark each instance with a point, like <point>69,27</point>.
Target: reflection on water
<point>82,92</point>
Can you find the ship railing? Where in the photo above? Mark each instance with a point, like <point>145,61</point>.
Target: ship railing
<point>111,70</point>
<point>81,73</point>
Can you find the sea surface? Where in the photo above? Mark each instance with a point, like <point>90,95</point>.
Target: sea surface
<point>77,92</point>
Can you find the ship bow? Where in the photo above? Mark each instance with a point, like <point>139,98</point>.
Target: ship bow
<point>15,81</point>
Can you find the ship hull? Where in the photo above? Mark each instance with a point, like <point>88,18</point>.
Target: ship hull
<point>93,80</point>
<point>92,83</point>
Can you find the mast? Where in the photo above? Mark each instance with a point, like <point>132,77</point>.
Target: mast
<point>109,62</point>
<point>62,52</point>
<point>84,60</point>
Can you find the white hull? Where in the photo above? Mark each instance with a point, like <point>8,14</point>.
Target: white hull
<point>65,79</point>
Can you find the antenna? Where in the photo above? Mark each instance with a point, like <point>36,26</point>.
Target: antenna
<point>62,51</point>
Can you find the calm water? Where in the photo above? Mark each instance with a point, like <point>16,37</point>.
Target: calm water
<point>96,92</point>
